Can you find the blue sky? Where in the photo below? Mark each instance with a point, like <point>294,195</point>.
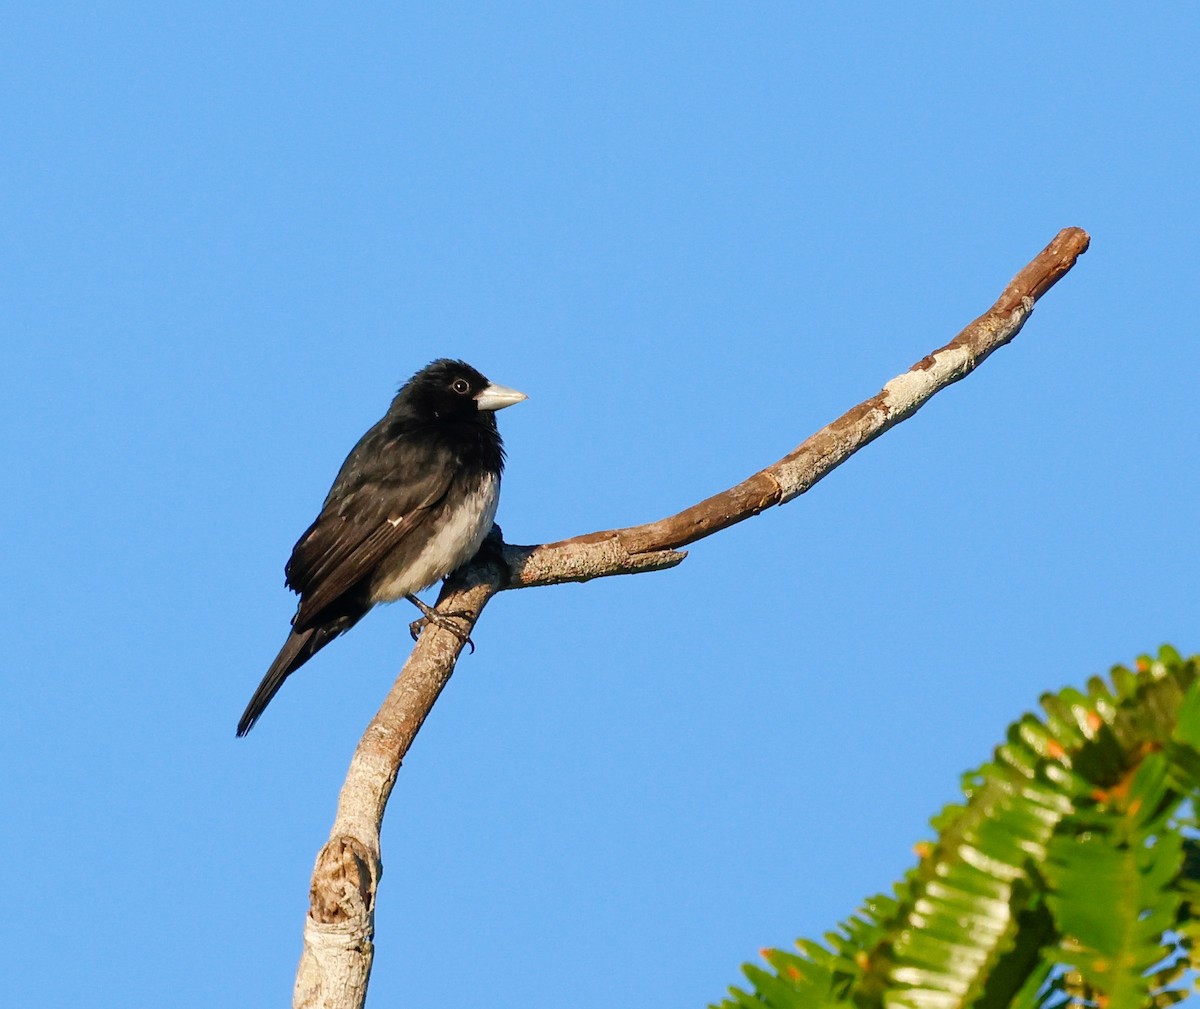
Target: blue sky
<point>692,234</point>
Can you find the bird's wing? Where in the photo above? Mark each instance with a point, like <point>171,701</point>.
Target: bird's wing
<point>352,535</point>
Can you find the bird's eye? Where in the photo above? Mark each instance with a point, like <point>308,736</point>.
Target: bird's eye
<point>461,386</point>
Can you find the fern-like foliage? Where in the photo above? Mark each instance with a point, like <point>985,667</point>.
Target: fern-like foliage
<point>1069,876</point>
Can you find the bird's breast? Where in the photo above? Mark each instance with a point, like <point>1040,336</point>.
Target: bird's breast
<point>443,542</point>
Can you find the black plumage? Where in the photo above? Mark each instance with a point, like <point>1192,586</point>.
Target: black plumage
<point>413,501</point>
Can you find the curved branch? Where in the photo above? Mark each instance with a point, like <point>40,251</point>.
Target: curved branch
<point>623,551</point>
<point>336,962</point>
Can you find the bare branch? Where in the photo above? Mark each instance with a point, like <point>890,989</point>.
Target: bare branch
<point>338,949</point>
<point>619,551</point>
<point>336,962</point>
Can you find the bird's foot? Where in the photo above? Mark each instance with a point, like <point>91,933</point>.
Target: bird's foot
<point>446,621</point>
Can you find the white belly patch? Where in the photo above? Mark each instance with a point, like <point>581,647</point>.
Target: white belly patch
<point>458,540</point>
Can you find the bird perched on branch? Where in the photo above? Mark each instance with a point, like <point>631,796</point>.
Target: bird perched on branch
<point>413,501</point>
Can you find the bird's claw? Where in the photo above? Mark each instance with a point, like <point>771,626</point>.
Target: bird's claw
<point>443,620</point>
<point>446,622</point>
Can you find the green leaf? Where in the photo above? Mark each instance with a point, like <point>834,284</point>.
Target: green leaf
<point>1187,729</point>
<point>1065,876</point>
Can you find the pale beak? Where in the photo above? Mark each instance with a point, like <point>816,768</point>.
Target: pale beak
<point>497,397</point>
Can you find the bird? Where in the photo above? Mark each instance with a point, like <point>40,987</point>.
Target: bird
<point>414,501</point>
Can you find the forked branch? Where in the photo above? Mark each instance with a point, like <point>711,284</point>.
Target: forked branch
<point>338,949</point>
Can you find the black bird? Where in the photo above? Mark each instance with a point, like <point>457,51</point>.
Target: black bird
<point>413,501</point>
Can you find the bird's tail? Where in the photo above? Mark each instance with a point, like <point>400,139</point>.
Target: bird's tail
<point>302,644</point>
<point>297,650</point>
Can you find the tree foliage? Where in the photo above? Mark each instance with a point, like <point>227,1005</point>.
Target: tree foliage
<point>1068,876</point>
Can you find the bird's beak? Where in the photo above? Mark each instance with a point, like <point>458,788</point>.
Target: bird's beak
<point>497,397</point>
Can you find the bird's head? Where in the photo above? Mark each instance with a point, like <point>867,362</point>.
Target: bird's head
<point>453,390</point>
